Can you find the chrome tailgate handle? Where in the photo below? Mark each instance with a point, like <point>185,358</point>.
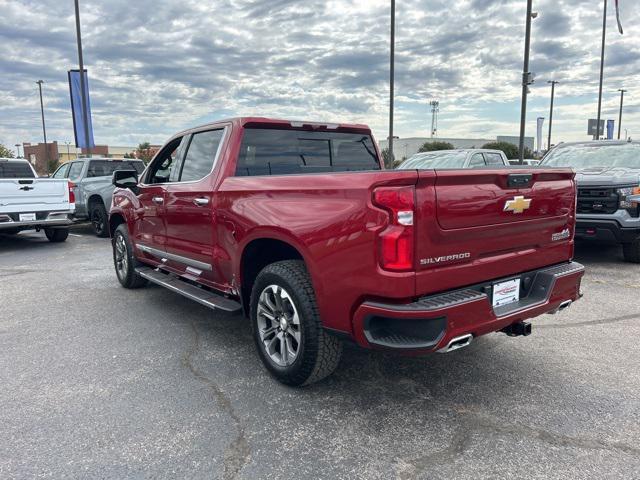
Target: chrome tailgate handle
<point>158,200</point>
<point>201,201</point>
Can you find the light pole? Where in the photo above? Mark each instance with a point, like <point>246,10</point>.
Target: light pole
<point>68,154</point>
<point>622,92</point>
<point>85,119</point>
<point>553,92</point>
<point>604,34</point>
<point>44,129</point>
<point>391,78</point>
<point>17,145</point>
<point>527,78</point>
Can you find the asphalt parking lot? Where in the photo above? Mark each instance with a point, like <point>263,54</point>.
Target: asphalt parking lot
<point>102,382</point>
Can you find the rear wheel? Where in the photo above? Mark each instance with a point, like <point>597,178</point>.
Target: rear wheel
<point>98,216</point>
<point>631,251</point>
<point>56,235</point>
<point>124,261</point>
<point>287,329</point>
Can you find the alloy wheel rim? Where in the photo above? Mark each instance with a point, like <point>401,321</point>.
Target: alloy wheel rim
<point>122,260</point>
<point>279,325</point>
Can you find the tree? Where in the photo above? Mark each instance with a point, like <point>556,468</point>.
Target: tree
<point>433,146</point>
<point>388,162</point>
<point>143,152</point>
<point>5,152</point>
<point>510,150</point>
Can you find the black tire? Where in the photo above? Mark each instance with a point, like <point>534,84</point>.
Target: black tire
<point>56,235</point>
<point>631,251</point>
<point>318,353</point>
<point>125,266</point>
<point>99,219</point>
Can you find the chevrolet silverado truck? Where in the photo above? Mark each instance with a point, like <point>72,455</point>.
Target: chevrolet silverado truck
<point>608,179</point>
<point>298,226</point>
<point>90,180</point>
<point>31,203</point>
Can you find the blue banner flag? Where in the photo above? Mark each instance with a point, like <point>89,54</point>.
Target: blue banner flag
<point>76,109</point>
<point>610,127</point>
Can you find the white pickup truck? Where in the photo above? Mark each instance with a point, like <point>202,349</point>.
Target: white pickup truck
<point>31,203</point>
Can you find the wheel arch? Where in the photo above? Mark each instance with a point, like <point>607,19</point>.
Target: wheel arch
<point>115,220</point>
<point>257,254</point>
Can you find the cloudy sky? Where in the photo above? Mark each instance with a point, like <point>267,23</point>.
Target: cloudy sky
<point>158,66</point>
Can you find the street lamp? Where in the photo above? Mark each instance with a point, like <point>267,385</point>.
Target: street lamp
<point>527,78</point>
<point>68,154</point>
<point>391,76</point>
<point>604,35</point>
<point>553,91</point>
<point>85,110</point>
<point>622,92</point>
<point>44,129</point>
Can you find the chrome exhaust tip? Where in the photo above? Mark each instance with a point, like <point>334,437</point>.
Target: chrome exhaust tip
<point>457,343</point>
<point>564,305</point>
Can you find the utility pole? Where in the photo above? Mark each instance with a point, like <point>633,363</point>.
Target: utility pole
<point>44,129</point>
<point>604,35</point>
<point>435,108</point>
<point>85,117</point>
<point>391,78</point>
<point>553,91</point>
<point>527,79</point>
<point>622,92</point>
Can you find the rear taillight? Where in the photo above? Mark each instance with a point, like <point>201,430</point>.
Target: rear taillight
<point>397,240</point>
<point>72,194</point>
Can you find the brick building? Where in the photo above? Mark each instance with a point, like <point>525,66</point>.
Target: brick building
<point>39,154</point>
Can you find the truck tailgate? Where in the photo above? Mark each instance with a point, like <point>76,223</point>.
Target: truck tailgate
<point>33,195</point>
<point>475,225</point>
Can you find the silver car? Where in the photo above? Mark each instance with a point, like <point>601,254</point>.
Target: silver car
<point>459,158</point>
<point>91,182</point>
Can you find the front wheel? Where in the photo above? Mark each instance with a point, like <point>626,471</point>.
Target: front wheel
<point>98,216</point>
<point>56,235</point>
<point>631,251</point>
<point>124,261</point>
<point>287,329</point>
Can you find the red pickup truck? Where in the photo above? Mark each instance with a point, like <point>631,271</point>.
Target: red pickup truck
<point>299,226</point>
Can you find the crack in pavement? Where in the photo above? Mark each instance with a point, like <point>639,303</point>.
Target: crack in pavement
<point>474,422</point>
<point>236,455</point>
<point>602,321</point>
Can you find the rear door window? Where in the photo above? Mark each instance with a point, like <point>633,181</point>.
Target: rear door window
<point>284,152</point>
<point>201,155</point>
<point>477,161</point>
<point>20,169</point>
<point>493,158</point>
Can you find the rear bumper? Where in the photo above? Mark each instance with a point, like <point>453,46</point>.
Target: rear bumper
<point>433,321</point>
<point>606,231</point>
<point>48,219</point>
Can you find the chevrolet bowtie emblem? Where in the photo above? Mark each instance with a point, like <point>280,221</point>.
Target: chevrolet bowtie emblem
<point>517,205</point>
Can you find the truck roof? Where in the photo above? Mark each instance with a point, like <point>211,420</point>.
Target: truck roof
<point>276,122</point>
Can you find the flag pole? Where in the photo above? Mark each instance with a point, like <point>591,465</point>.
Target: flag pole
<point>604,35</point>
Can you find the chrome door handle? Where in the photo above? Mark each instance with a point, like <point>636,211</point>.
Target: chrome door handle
<point>158,200</point>
<point>201,201</point>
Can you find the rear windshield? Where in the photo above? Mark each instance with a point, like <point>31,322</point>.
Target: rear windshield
<point>285,152</point>
<point>15,170</point>
<point>105,168</point>
<point>587,156</point>
<point>442,159</point>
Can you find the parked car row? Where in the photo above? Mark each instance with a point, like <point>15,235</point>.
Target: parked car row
<point>298,226</point>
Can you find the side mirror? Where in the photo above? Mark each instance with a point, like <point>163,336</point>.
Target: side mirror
<point>125,179</point>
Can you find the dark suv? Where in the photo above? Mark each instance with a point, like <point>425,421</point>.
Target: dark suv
<point>608,184</point>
